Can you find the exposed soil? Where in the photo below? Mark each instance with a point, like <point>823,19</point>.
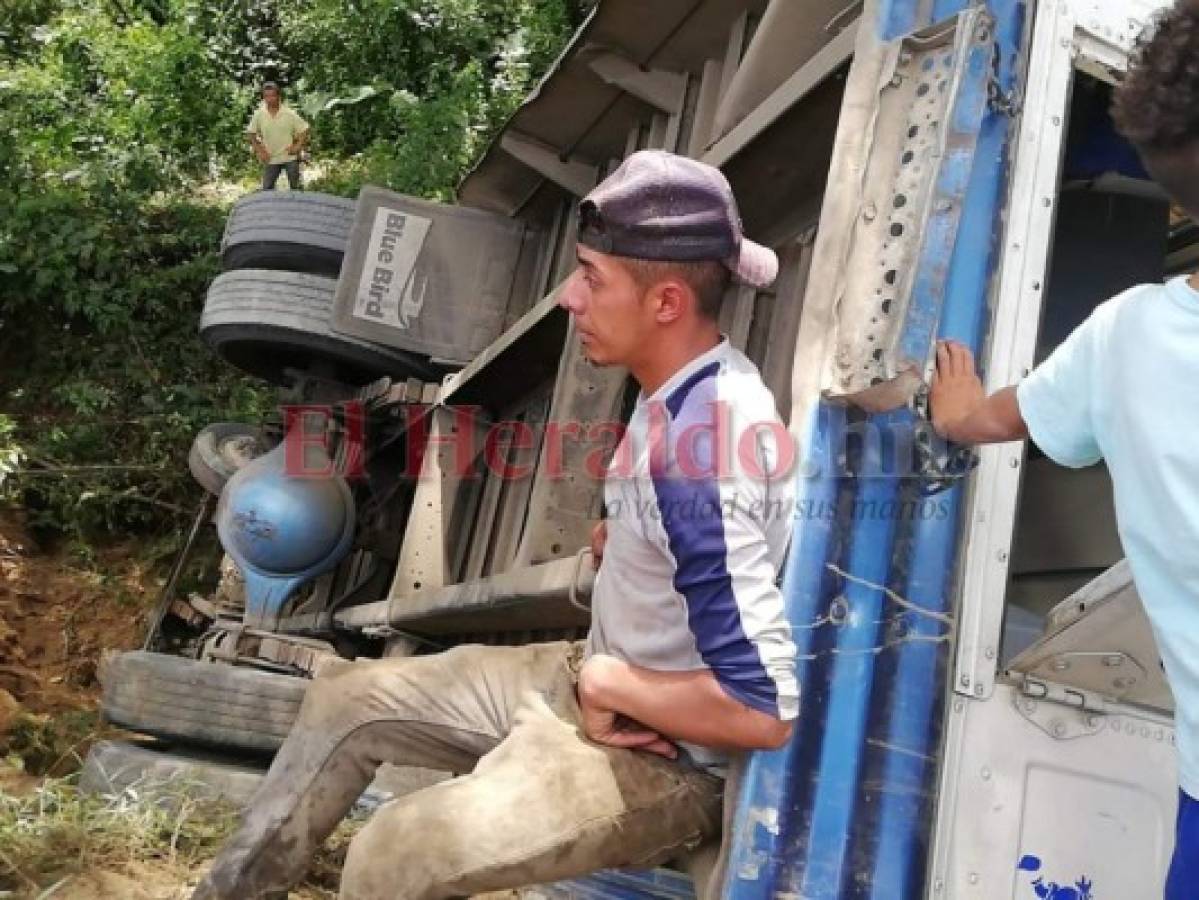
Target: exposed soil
<point>58,614</point>
<point>140,882</point>
<point>146,881</point>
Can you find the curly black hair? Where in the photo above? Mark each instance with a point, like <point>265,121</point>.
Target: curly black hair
<point>1157,105</point>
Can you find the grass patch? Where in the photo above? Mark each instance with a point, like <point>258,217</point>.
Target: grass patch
<point>57,831</point>
<point>52,745</point>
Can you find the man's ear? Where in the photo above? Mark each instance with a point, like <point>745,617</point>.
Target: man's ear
<point>673,299</point>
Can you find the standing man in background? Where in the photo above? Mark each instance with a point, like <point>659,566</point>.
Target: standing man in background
<point>278,135</point>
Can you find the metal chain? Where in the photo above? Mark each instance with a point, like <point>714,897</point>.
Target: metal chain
<point>1006,103</point>
<point>941,465</point>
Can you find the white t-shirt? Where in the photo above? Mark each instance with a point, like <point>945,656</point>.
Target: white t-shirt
<point>699,516</point>
<point>1124,387</point>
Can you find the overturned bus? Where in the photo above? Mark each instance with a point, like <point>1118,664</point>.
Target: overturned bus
<point>984,712</point>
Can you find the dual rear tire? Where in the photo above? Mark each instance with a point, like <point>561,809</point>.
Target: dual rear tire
<point>272,308</point>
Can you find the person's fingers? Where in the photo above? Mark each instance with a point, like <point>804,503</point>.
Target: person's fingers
<point>633,740</point>
<point>662,747</point>
<point>951,360</point>
<point>966,359</point>
<point>599,537</point>
<point>943,358</point>
<point>961,359</point>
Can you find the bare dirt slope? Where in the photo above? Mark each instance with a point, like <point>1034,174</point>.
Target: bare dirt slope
<point>58,613</point>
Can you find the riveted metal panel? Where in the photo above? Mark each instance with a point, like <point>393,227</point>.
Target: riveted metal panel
<point>1095,809</point>
<point>931,99</point>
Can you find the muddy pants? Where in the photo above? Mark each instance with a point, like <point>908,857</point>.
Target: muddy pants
<point>540,802</point>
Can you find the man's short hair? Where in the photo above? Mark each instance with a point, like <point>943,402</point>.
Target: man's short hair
<point>1157,105</point>
<point>270,86</point>
<point>708,279</point>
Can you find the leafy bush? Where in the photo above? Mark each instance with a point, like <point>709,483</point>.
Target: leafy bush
<point>104,377</point>
<point>120,150</point>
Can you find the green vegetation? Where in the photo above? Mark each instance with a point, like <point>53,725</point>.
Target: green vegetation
<point>120,150</point>
<point>51,745</point>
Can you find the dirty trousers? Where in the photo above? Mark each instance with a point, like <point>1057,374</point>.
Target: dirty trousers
<point>540,802</point>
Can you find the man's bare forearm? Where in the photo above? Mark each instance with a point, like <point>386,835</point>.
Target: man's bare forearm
<point>683,706</point>
<point>993,421</point>
<point>961,410</point>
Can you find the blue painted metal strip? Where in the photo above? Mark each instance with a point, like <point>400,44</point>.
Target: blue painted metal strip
<point>776,783</point>
<point>943,9</point>
<point>941,231</point>
<point>659,884</point>
<point>897,18</point>
<point>980,230</point>
<point>871,541</point>
<point>913,700</point>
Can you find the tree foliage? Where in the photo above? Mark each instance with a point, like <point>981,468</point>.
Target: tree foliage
<point>121,148</point>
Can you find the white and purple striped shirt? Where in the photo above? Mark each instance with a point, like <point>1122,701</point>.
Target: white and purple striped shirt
<point>700,501</point>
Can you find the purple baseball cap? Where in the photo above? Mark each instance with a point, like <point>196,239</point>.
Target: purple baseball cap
<point>661,206</point>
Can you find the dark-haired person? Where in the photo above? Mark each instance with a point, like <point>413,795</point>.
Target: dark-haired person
<point>277,135</point>
<point>608,753</point>
<point>1124,388</point>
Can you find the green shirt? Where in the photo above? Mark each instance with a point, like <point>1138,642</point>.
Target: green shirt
<point>278,131</point>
